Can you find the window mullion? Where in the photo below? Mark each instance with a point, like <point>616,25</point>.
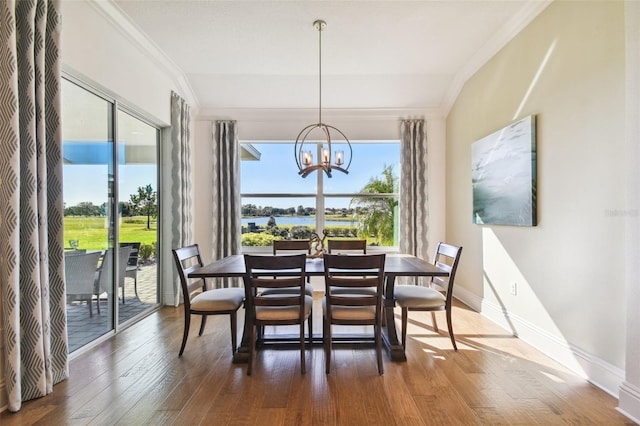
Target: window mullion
<point>320,196</point>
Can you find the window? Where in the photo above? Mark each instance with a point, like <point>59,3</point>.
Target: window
<point>110,198</point>
<point>277,203</point>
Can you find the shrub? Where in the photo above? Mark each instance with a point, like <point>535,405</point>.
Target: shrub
<point>147,251</point>
<point>300,232</point>
<point>257,239</point>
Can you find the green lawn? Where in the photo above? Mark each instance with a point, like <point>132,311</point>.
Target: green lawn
<point>91,231</point>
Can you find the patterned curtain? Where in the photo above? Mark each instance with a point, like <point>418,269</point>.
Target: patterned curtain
<point>414,206</point>
<point>181,223</point>
<point>226,194</point>
<point>31,209</point>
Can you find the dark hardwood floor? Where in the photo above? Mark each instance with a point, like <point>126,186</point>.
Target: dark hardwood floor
<point>137,378</point>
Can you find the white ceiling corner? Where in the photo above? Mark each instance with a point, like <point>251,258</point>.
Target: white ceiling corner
<point>377,55</point>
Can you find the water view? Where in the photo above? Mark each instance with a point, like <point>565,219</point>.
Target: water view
<point>296,221</point>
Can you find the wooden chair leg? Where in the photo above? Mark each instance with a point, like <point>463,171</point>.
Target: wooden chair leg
<point>234,331</point>
<point>202,324</point>
<point>187,323</point>
<point>326,336</point>
<point>434,322</point>
<point>378,331</point>
<point>310,325</point>
<point>450,326</point>
<point>405,314</point>
<point>303,367</point>
<point>252,348</point>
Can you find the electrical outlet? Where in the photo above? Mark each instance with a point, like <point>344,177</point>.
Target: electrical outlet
<point>514,288</point>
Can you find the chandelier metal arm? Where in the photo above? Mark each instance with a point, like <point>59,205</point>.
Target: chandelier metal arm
<point>304,158</point>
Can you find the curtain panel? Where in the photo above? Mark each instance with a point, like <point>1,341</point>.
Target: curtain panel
<point>225,186</point>
<point>414,205</point>
<point>31,210</point>
<point>181,219</point>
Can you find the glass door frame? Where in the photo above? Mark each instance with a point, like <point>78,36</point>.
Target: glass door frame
<point>113,222</point>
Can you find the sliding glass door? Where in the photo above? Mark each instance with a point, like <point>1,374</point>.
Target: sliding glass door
<point>110,217</point>
<point>138,212</point>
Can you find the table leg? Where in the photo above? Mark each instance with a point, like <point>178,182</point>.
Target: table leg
<point>242,354</point>
<point>389,333</point>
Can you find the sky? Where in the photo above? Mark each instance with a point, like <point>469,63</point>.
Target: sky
<point>276,172</point>
<point>90,182</point>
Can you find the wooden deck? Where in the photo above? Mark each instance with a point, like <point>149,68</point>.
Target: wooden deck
<point>137,378</point>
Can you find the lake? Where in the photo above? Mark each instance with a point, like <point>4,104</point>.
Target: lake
<point>296,220</point>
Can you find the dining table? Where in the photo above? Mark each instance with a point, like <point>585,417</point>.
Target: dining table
<point>396,265</point>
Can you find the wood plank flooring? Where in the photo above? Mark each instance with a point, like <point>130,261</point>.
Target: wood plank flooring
<point>136,378</point>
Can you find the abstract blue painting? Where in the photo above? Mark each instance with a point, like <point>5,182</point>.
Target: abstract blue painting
<point>503,175</point>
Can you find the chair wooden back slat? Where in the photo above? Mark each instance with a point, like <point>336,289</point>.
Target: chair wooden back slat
<point>188,260</point>
<point>350,273</point>
<point>347,245</point>
<point>291,245</point>
<point>447,258</point>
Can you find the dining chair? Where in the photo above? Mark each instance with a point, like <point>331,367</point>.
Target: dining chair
<point>348,246</point>
<point>198,300</point>
<point>297,246</point>
<point>276,309</point>
<point>104,274</point>
<point>80,271</point>
<point>437,296</point>
<point>291,245</point>
<point>346,304</point>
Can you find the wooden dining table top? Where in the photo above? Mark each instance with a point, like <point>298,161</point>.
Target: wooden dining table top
<point>395,265</point>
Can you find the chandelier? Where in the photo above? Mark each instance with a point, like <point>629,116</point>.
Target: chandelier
<point>304,155</point>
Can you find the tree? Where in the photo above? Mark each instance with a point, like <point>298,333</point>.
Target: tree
<point>375,214</point>
<point>144,203</point>
<point>85,208</point>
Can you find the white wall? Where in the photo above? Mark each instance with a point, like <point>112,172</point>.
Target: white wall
<point>95,46</point>
<point>101,47</point>
<point>567,68</point>
<point>629,402</point>
<point>284,125</point>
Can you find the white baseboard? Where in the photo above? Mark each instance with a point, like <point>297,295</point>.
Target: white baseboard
<point>629,401</point>
<point>607,377</point>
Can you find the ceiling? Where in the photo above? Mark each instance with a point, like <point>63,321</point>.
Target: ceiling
<point>376,54</point>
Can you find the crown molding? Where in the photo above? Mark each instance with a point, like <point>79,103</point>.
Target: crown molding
<point>119,20</point>
<point>310,114</point>
<point>493,46</point>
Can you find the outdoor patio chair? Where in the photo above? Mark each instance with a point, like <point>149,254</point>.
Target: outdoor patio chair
<point>132,264</point>
<point>105,272</point>
<point>80,271</point>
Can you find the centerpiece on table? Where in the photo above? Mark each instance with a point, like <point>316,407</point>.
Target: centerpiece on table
<point>317,245</point>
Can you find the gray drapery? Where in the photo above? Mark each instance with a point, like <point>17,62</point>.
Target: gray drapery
<point>414,206</point>
<point>225,186</point>
<point>181,219</point>
<point>31,209</point>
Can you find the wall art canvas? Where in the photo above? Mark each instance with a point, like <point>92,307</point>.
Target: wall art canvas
<point>503,175</point>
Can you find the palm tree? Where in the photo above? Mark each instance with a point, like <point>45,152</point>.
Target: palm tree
<point>375,214</point>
